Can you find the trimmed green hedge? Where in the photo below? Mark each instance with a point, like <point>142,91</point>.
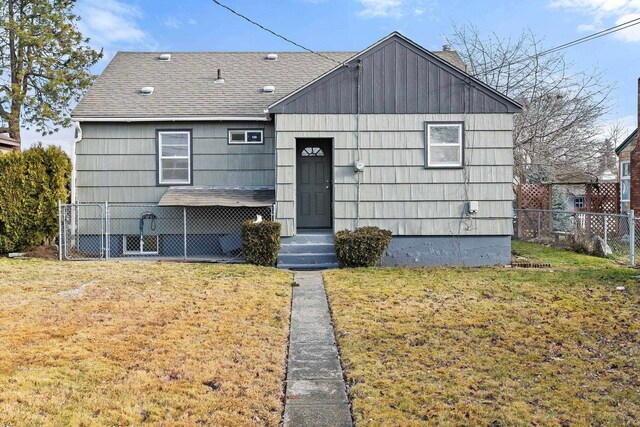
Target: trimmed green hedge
<point>361,248</point>
<point>31,183</point>
<point>261,242</point>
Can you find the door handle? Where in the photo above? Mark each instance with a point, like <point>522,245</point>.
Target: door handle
<point>328,187</point>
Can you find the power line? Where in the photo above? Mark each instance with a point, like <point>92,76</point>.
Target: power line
<point>273,32</point>
<point>575,42</point>
<point>594,36</point>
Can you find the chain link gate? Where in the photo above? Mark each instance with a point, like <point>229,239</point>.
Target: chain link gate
<point>151,232</point>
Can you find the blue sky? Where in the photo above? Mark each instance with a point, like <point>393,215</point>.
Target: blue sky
<point>200,25</point>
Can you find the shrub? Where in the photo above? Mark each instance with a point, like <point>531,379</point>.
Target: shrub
<point>32,182</point>
<point>361,248</point>
<point>261,242</point>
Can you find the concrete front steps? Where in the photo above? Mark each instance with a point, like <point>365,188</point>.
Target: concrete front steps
<point>309,250</point>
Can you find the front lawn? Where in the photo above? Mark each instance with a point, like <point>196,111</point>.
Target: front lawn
<point>127,343</point>
<point>493,346</point>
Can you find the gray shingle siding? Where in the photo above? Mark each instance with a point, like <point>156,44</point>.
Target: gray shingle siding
<point>117,162</point>
<point>397,191</point>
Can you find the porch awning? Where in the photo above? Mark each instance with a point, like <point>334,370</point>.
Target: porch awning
<point>219,196</point>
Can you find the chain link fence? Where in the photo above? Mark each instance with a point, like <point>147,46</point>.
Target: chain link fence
<point>610,235</point>
<point>94,231</point>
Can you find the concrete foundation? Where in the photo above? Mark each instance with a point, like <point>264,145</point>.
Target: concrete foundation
<point>440,251</point>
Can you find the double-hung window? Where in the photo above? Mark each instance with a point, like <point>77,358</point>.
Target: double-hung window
<point>625,181</point>
<point>444,145</point>
<point>174,157</point>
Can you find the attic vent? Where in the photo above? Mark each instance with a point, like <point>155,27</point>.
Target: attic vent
<point>165,57</point>
<point>272,56</point>
<point>446,48</point>
<point>147,90</point>
<point>269,89</point>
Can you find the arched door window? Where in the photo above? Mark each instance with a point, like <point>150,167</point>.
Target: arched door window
<point>312,152</point>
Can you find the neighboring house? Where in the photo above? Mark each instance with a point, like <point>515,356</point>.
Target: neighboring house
<point>8,144</point>
<point>575,198</point>
<point>623,152</point>
<point>629,168</point>
<point>393,136</point>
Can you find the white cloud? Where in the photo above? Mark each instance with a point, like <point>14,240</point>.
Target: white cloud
<point>111,22</point>
<point>381,8</point>
<point>605,13</point>
<point>172,22</point>
<point>176,23</point>
<point>631,34</point>
<point>395,8</point>
<point>585,28</point>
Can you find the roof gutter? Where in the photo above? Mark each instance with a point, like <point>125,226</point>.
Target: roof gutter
<point>264,118</point>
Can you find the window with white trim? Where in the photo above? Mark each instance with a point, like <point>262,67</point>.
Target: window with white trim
<point>174,157</point>
<point>444,144</point>
<point>625,181</point>
<point>578,202</point>
<point>246,136</point>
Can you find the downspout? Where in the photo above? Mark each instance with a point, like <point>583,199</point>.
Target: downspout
<point>358,174</point>
<point>77,138</point>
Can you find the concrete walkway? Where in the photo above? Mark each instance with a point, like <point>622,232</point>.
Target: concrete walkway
<point>316,392</point>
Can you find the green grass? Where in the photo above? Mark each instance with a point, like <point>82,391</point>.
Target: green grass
<point>84,344</point>
<point>491,346</point>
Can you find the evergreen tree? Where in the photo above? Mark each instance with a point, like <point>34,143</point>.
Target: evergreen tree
<point>44,64</point>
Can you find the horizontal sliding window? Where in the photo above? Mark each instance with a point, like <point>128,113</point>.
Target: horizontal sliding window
<point>174,149</point>
<point>135,244</point>
<point>444,144</point>
<point>246,136</point>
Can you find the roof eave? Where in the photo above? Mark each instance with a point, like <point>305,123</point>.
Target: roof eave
<point>213,118</point>
<point>626,142</point>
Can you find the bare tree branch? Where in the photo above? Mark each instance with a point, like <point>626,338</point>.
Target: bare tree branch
<point>558,129</point>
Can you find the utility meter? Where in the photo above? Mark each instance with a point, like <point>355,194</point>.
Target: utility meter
<point>358,166</point>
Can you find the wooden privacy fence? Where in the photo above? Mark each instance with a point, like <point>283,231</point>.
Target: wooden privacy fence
<point>598,198</point>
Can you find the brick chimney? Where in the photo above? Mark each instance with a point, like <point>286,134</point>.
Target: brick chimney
<point>635,166</point>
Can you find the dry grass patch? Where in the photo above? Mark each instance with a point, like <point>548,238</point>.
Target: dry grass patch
<point>126,343</point>
<point>491,346</point>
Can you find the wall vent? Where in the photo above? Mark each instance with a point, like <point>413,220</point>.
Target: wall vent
<point>269,89</point>
<point>165,57</point>
<point>272,56</point>
<point>147,90</point>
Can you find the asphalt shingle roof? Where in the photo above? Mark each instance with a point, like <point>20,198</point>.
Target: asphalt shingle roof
<point>184,86</point>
